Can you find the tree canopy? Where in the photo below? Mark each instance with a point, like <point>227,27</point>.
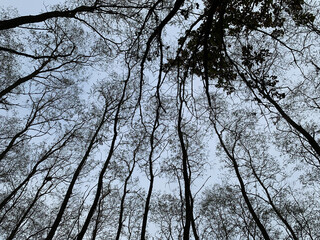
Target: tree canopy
<point>158,119</point>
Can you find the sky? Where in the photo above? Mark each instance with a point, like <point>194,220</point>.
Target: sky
<point>28,7</point>
<point>33,7</point>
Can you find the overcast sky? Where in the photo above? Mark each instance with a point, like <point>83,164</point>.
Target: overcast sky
<point>28,7</point>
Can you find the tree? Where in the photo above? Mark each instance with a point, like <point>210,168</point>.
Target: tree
<point>109,109</point>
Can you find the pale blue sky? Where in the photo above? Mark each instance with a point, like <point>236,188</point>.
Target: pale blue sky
<point>28,7</point>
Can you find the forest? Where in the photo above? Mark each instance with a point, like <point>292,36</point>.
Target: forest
<point>160,120</point>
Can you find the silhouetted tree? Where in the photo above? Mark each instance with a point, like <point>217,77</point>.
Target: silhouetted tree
<point>108,111</point>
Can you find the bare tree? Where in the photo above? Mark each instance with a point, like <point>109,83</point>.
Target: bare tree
<point>108,111</point>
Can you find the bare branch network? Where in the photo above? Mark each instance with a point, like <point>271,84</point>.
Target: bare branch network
<point>156,119</point>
